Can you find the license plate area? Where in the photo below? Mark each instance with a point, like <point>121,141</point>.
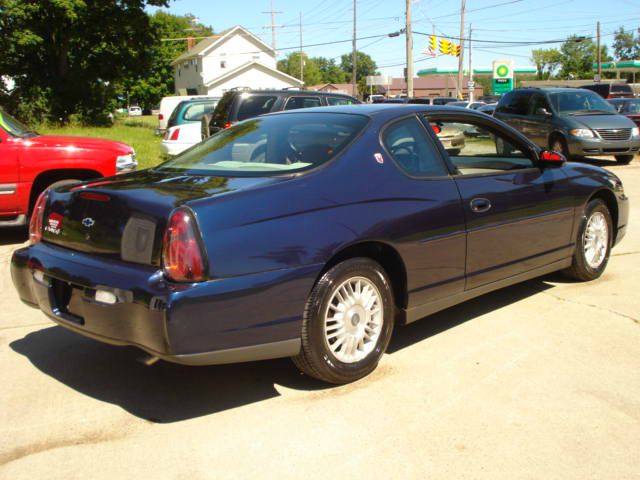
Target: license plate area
<point>66,300</point>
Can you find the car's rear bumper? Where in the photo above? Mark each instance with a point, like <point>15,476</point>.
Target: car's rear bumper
<point>253,317</point>
<point>596,146</point>
<point>174,148</point>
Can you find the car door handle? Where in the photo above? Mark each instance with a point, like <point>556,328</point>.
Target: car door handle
<point>480,205</point>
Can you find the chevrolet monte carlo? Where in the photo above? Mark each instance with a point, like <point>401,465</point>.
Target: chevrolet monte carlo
<point>311,234</point>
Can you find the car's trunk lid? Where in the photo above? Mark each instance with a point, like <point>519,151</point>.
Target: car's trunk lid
<point>125,217</point>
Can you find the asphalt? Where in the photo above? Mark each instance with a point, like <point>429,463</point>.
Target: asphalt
<point>540,380</point>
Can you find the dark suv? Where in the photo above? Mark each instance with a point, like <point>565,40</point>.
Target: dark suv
<point>611,90</point>
<point>238,105</point>
<point>573,121</point>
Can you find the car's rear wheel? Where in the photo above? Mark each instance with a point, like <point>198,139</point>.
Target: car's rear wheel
<point>593,245</point>
<point>624,159</point>
<point>348,321</point>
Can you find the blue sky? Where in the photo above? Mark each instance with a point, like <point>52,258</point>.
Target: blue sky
<point>330,20</point>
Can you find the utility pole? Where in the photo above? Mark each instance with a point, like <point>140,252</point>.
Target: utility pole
<point>273,25</point>
<point>461,57</point>
<point>301,57</point>
<point>471,90</point>
<point>409,39</point>
<point>354,55</point>
<point>598,54</point>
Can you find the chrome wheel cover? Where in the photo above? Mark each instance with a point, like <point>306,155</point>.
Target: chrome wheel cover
<point>596,240</point>
<point>353,320</point>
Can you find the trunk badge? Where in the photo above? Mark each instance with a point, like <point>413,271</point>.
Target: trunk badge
<point>88,222</point>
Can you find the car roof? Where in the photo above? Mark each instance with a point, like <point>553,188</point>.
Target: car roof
<point>289,92</point>
<point>373,109</point>
<point>547,89</point>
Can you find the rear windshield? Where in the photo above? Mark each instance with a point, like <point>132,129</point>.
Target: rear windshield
<point>580,101</point>
<point>271,145</point>
<point>621,88</point>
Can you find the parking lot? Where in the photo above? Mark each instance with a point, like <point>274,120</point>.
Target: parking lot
<point>540,380</point>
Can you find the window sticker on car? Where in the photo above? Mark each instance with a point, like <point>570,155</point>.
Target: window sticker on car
<point>54,224</point>
<point>379,158</point>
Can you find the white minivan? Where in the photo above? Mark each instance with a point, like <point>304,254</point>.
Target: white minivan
<point>167,104</point>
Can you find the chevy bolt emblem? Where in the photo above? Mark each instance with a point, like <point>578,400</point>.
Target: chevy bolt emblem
<point>88,222</point>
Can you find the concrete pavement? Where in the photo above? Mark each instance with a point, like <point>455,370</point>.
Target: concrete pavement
<point>540,380</point>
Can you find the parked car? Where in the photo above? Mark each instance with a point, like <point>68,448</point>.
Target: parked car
<point>184,127</point>
<point>135,111</point>
<point>312,234</point>
<point>397,100</point>
<point>611,90</point>
<point>376,99</point>
<point>488,108</point>
<point>431,100</point>
<point>629,107</point>
<point>489,98</point>
<point>467,104</point>
<point>573,121</point>
<point>30,163</point>
<point>238,105</point>
<point>167,105</point>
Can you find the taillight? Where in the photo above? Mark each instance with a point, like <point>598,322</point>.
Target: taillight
<point>160,116</point>
<point>182,255</point>
<point>228,124</point>
<point>175,134</point>
<point>37,218</point>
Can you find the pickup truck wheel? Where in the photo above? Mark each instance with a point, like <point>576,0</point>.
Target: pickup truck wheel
<point>593,245</point>
<point>36,194</point>
<point>347,323</point>
<point>624,159</point>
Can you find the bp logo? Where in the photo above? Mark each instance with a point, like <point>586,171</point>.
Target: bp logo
<point>502,71</point>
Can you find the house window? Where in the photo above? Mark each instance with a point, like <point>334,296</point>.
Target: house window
<point>223,64</point>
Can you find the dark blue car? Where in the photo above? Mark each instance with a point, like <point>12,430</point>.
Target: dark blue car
<point>310,234</point>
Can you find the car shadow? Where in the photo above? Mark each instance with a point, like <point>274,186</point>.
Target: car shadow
<point>166,392</point>
<point>600,162</point>
<point>13,235</point>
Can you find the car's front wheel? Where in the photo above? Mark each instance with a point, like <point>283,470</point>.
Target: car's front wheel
<point>348,321</point>
<point>593,246</point>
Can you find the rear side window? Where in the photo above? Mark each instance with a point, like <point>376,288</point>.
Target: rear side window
<point>295,103</point>
<point>515,103</point>
<point>194,113</point>
<point>255,105</point>
<point>339,101</point>
<point>409,146</point>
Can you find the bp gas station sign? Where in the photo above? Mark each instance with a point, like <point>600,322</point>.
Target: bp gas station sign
<point>502,76</point>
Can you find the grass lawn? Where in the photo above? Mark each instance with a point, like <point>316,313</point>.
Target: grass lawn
<point>135,131</point>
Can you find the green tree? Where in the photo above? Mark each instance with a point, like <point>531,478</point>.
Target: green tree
<point>546,61</point>
<point>291,66</point>
<point>624,45</point>
<point>158,80</point>
<point>577,56</point>
<point>365,66</point>
<point>68,56</point>
<point>331,72</point>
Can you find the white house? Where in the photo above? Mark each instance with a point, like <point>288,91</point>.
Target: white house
<point>232,59</point>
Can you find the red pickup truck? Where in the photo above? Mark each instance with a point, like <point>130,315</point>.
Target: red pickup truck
<point>29,163</point>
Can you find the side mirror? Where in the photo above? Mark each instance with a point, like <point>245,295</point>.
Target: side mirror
<point>550,159</point>
<point>543,112</point>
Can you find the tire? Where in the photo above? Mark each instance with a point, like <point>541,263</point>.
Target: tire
<point>559,144</point>
<point>35,195</point>
<point>339,358</point>
<point>624,159</point>
<point>584,267</point>
<point>204,126</point>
